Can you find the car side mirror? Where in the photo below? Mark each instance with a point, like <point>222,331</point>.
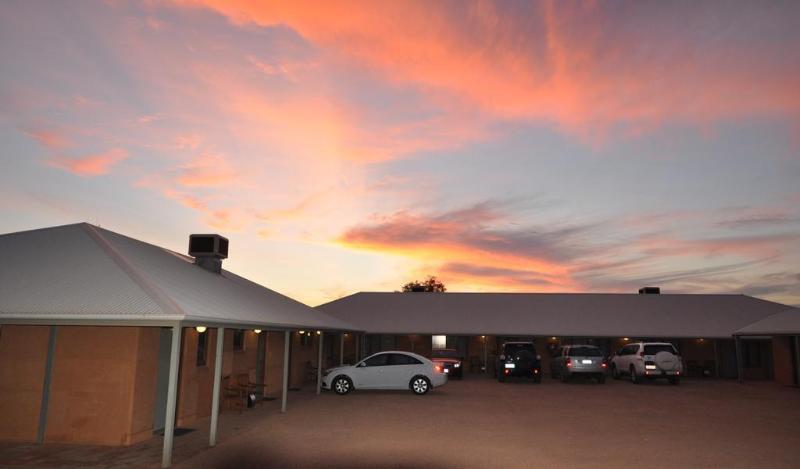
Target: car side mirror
<point>361,365</point>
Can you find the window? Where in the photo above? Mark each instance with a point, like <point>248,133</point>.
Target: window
<point>377,360</point>
<point>654,349</point>
<point>202,348</point>
<point>584,352</point>
<point>439,341</point>
<point>400,359</point>
<point>238,340</point>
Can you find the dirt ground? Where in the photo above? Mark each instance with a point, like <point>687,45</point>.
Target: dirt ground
<point>478,422</point>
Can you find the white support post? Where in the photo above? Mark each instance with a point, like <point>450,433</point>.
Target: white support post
<point>319,364</point>
<point>287,337</point>
<point>212,438</point>
<point>341,349</point>
<point>172,396</point>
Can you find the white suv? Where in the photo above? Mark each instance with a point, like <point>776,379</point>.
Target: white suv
<point>647,360</point>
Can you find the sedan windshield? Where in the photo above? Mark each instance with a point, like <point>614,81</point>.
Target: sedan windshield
<point>445,353</point>
<point>585,352</point>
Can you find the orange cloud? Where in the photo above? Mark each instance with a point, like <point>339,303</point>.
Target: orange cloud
<point>49,138</point>
<point>586,67</point>
<point>207,170</point>
<point>90,165</point>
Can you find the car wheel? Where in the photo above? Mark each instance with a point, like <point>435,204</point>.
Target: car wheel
<point>420,385</point>
<point>342,385</point>
<point>601,379</point>
<point>634,378</point>
<point>675,380</point>
<point>615,372</point>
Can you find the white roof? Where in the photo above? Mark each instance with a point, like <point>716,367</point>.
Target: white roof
<point>784,323</point>
<point>552,314</point>
<point>85,274</point>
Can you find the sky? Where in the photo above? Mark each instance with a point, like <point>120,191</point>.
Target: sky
<point>349,146</point>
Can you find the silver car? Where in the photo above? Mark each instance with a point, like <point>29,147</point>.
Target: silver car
<point>583,360</point>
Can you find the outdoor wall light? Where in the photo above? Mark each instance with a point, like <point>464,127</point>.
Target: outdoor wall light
<point>319,332</point>
<point>553,338</point>
<point>257,331</point>
<point>301,332</point>
<point>200,329</point>
<point>625,339</point>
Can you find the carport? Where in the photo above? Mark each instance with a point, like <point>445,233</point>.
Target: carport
<point>55,281</point>
<point>703,324</point>
<point>784,330</point>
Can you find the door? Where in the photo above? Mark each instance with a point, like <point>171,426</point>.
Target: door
<point>162,379</point>
<point>373,372</point>
<point>401,369</point>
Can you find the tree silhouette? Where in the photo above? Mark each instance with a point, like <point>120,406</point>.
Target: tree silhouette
<point>431,285</point>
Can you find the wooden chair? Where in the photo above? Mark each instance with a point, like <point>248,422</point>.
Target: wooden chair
<point>233,396</point>
<point>248,387</point>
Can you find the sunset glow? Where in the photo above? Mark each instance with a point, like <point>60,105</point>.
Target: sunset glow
<point>348,146</point>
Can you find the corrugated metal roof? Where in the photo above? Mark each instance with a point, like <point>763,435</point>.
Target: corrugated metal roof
<point>82,272</point>
<point>784,323</point>
<point>556,314</point>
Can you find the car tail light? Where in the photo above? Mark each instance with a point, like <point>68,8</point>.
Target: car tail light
<point>569,363</point>
<point>604,364</point>
<point>535,371</point>
<point>438,368</point>
<point>507,371</point>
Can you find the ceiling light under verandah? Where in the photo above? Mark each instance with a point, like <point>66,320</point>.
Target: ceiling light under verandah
<point>200,329</point>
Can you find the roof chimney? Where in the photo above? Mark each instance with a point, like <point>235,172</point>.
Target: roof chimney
<point>650,291</point>
<point>208,251</point>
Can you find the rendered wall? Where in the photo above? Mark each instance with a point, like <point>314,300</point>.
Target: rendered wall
<point>92,385</point>
<point>23,352</point>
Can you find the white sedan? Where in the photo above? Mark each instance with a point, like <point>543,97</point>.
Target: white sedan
<point>386,370</point>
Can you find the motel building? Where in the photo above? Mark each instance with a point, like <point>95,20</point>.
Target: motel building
<point>109,340</point>
<point>718,336</point>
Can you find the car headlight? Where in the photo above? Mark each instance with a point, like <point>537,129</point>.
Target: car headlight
<point>457,365</point>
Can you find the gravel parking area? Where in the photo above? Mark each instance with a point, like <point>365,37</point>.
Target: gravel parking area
<point>478,422</point>
<point>481,423</point>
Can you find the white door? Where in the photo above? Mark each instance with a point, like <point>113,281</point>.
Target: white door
<point>403,368</point>
<point>373,373</point>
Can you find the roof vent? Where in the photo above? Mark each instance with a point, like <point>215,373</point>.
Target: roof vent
<point>650,291</point>
<point>208,251</point>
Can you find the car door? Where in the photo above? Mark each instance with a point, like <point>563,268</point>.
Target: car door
<point>403,368</point>
<point>372,372</point>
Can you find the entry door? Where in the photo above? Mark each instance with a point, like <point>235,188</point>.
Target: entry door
<point>162,379</point>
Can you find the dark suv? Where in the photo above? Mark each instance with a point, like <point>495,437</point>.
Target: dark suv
<point>519,359</point>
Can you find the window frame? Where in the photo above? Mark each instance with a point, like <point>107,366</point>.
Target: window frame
<point>201,357</point>
<point>240,333</point>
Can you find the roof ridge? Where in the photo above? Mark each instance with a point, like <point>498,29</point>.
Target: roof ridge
<point>161,299</point>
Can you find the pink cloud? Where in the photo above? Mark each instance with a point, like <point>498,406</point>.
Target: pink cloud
<point>49,138</point>
<point>206,170</point>
<point>90,165</point>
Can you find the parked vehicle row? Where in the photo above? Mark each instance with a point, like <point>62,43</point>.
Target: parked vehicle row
<point>406,370</point>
